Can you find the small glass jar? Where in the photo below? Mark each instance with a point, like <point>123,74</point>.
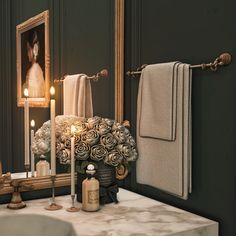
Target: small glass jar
<point>42,167</point>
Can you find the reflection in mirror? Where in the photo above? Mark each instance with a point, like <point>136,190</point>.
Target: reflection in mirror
<point>75,47</point>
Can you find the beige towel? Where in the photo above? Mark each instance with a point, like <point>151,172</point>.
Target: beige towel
<point>166,164</point>
<point>77,96</point>
<point>158,101</point>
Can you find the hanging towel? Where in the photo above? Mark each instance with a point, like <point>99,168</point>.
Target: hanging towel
<point>77,96</point>
<point>165,164</point>
<point>158,102</point>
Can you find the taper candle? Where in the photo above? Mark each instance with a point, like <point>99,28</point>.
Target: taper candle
<point>32,124</point>
<point>53,132</point>
<point>26,121</point>
<point>72,160</point>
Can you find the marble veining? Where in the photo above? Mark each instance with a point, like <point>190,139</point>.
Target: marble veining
<point>135,215</point>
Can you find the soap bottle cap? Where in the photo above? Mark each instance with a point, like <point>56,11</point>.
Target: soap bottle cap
<point>42,157</point>
<point>90,170</point>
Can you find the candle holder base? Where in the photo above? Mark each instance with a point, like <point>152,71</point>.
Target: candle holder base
<point>53,207</point>
<point>73,209</point>
<point>27,168</point>
<point>16,205</point>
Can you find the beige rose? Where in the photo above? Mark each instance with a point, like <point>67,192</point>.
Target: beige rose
<point>93,122</point>
<point>82,151</point>
<point>98,152</point>
<point>113,158</point>
<point>108,141</point>
<point>64,156</point>
<point>103,128</point>
<point>90,137</point>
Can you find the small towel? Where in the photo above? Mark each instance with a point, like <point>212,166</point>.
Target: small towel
<point>158,101</point>
<point>162,163</point>
<point>77,96</point>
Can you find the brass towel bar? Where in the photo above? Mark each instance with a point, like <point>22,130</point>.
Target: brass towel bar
<point>223,60</point>
<point>102,73</point>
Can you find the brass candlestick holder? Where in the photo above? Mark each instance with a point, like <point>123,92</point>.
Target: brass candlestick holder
<point>53,206</point>
<point>73,208</point>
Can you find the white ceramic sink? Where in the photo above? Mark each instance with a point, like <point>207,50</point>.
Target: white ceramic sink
<point>34,225</point>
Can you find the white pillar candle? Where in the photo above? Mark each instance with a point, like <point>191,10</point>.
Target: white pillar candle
<point>32,124</point>
<point>72,166</point>
<point>53,132</point>
<point>26,126</point>
<point>72,153</point>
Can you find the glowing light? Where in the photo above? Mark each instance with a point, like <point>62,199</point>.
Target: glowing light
<point>32,123</point>
<point>52,91</point>
<point>72,129</point>
<point>26,92</point>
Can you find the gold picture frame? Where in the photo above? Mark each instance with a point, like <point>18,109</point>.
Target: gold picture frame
<point>33,60</point>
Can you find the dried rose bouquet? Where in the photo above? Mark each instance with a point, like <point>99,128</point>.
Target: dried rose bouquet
<point>96,139</point>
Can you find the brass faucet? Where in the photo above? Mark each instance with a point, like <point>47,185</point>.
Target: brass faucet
<point>16,200</point>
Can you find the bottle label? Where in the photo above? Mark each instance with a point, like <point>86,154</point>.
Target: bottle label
<point>93,196</point>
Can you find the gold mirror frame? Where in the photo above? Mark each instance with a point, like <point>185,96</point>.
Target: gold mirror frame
<point>62,180</point>
<point>119,60</point>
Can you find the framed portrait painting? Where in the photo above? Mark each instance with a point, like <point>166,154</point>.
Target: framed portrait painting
<point>33,61</point>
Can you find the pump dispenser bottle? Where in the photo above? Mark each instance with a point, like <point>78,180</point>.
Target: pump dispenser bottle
<point>90,191</point>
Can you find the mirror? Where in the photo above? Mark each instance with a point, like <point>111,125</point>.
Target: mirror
<point>72,25</point>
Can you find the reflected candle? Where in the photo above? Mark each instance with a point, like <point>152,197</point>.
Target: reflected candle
<point>26,126</point>
<point>72,159</point>
<point>53,132</point>
<point>32,124</point>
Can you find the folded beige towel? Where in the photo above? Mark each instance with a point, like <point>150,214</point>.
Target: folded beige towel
<point>77,96</point>
<point>166,164</point>
<point>158,101</point>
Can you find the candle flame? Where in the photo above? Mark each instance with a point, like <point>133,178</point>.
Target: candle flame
<point>32,123</point>
<point>72,129</point>
<point>26,92</point>
<point>52,90</point>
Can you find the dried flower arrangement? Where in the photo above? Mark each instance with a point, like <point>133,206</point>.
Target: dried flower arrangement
<point>96,139</point>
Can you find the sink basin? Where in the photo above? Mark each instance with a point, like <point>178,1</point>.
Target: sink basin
<point>36,225</point>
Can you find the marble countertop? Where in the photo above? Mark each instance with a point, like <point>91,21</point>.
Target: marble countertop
<point>134,215</point>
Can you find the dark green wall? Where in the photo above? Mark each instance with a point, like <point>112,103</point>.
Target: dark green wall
<point>82,37</point>
<point>193,32</point>
<point>81,41</point>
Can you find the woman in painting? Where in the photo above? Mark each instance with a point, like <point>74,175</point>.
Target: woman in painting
<point>34,77</point>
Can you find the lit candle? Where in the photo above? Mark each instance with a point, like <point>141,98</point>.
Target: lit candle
<point>26,120</point>
<point>72,159</point>
<point>32,124</point>
<point>53,132</point>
